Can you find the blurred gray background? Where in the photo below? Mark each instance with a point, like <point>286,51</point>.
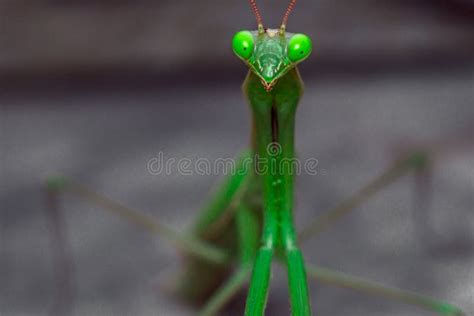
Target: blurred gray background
<point>92,89</point>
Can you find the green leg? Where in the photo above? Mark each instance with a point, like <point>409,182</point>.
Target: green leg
<point>258,292</point>
<point>247,227</point>
<point>339,279</point>
<point>297,283</point>
<point>188,244</point>
<point>414,161</point>
<point>226,292</point>
<point>62,264</point>
<point>422,199</point>
<point>211,214</point>
<point>216,212</point>
<point>297,280</point>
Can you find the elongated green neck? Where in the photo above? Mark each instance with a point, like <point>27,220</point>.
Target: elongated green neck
<point>273,143</point>
<point>273,111</point>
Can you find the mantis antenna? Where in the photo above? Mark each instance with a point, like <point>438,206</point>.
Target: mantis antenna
<point>290,8</point>
<point>258,16</point>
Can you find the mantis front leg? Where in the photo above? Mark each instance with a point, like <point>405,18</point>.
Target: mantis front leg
<point>274,116</point>
<point>278,231</point>
<point>299,294</point>
<point>258,292</point>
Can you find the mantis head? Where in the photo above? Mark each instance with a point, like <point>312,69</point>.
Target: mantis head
<point>270,53</point>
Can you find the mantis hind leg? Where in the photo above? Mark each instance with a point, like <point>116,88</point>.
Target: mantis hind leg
<point>188,244</point>
<point>414,161</point>
<point>418,162</point>
<point>343,280</point>
<point>209,259</point>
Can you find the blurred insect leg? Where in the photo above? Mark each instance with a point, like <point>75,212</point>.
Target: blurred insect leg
<point>343,280</point>
<point>247,229</point>
<point>414,161</point>
<point>63,264</point>
<point>422,199</point>
<point>217,212</point>
<point>186,243</point>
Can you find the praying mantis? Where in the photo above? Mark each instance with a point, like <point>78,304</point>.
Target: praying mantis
<point>248,224</point>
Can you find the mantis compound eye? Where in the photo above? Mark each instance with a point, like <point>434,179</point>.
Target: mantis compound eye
<point>299,48</point>
<point>243,44</point>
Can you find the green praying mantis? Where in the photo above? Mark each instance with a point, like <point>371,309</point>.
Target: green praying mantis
<point>248,224</point>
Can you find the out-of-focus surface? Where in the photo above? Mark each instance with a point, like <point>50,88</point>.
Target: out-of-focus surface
<point>94,89</point>
<point>87,35</point>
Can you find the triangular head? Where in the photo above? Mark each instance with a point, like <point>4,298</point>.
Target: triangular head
<point>271,53</point>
